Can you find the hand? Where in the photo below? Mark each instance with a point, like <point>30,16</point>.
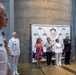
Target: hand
<point>69,41</point>
<point>51,45</point>
<point>13,57</point>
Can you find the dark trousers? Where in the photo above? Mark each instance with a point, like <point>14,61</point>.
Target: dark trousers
<point>67,57</point>
<point>49,56</point>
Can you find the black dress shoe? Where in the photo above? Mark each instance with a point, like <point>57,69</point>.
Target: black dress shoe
<point>65,63</point>
<point>39,66</point>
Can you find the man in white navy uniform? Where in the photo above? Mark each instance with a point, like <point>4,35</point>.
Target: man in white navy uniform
<point>14,47</point>
<point>3,53</point>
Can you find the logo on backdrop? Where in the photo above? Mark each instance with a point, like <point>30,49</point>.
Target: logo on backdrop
<point>35,34</point>
<point>44,34</point>
<point>60,34</point>
<point>39,28</point>
<point>63,28</point>
<point>52,33</point>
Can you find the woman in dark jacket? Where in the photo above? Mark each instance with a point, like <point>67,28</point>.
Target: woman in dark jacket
<point>48,51</point>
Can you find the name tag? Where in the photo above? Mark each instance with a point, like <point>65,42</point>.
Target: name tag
<point>1,45</point>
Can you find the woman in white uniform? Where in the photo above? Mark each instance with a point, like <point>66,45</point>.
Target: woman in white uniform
<point>58,52</point>
<point>14,47</point>
<point>3,53</point>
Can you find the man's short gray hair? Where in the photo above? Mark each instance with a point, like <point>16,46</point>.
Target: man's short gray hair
<point>14,33</point>
<point>1,7</point>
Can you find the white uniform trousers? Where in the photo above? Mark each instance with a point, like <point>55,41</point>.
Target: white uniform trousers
<point>58,59</point>
<point>14,63</point>
<point>3,62</point>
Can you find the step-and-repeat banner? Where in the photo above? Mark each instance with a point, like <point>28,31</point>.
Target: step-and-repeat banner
<point>53,31</point>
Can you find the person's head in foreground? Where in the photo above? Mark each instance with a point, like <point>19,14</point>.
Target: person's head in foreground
<point>3,16</point>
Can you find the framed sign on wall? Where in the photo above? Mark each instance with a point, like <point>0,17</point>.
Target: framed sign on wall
<point>43,31</point>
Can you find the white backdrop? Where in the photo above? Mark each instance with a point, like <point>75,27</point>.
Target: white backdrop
<point>52,31</point>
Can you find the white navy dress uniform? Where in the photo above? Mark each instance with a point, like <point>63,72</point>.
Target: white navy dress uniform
<point>58,53</point>
<point>3,56</point>
<point>14,47</point>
